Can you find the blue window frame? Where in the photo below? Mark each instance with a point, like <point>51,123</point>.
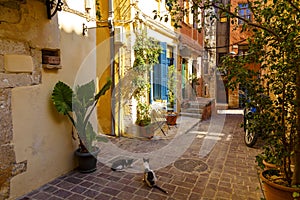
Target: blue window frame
<point>160,75</point>
<point>244,12</point>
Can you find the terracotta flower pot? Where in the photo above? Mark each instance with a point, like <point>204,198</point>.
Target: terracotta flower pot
<point>171,119</point>
<point>275,191</point>
<point>269,165</point>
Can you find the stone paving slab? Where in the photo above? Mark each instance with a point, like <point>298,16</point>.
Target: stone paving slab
<point>230,172</point>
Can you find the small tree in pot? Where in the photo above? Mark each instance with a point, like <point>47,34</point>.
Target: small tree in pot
<point>78,105</point>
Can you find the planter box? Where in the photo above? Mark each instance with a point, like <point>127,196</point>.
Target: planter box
<point>51,60</point>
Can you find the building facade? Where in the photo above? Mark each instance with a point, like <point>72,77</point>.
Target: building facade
<point>231,41</point>
<point>181,48</point>
<point>36,51</point>
<point>191,54</point>
<point>84,40</point>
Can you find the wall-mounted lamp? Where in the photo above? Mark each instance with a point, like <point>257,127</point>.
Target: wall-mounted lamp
<point>52,7</point>
<point>85,28</point>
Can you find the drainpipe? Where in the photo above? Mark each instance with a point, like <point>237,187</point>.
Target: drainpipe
<point>112,58</point>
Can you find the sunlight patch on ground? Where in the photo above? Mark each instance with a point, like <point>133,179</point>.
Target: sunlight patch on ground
<point>199,132</point>
<point>206,135</point>
<point>209,137</point>
<point>216,134</point>
<point>234,112</point>
<point>229,137</point>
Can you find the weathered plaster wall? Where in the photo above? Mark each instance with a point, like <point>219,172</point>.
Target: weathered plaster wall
<point>33,135</point>
<point>13,43</point>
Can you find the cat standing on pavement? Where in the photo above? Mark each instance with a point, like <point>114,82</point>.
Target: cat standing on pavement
<point>149,176</point>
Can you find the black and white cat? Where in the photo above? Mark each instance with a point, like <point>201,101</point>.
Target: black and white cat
<point>120,165</point>
<point>149,176</point>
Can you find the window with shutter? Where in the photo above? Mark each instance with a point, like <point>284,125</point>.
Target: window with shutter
<point>160,75</point>
<point>164,71</point>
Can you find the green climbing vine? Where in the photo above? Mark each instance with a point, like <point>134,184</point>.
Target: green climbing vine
<point>171,84</point>
<point>146,51</point>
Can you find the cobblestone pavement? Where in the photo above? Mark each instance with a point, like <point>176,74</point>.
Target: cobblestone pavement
<point>216,165</point>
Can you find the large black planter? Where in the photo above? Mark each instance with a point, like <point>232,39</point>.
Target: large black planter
<point>87,162</point>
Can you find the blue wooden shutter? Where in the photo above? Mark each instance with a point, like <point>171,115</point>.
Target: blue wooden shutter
<point>156,81</point>
<point>164,71</point>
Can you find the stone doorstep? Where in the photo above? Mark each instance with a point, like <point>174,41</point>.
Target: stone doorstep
<point>189,114</point>
<point>192,110</point>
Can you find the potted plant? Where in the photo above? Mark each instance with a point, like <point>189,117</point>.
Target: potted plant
<point>171,86</point>
<point>78,106</point>
<point>275,119</point>
<point>143,114</point>
<point>171,116</point>
<point>267,159</point>
<point>271,69</point>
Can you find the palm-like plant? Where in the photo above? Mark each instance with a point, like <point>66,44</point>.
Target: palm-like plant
<point>78,105</point>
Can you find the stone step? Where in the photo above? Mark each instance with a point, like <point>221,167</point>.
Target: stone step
<point>193,115</point>
<point>197,104</point>
<point>192,110</point>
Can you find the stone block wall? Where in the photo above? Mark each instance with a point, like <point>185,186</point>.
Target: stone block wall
<point>18,67</point>
<point>26,138</point>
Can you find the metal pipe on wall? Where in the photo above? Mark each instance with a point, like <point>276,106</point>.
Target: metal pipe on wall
<point>112,58</point>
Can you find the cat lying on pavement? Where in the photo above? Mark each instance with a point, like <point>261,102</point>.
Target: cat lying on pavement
<point>120,165</point>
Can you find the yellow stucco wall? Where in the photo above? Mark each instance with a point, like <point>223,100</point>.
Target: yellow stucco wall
<point>40,135</point>
<point>103,70</point>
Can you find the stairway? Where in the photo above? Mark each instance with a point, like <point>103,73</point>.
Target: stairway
<point>197,108</point>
